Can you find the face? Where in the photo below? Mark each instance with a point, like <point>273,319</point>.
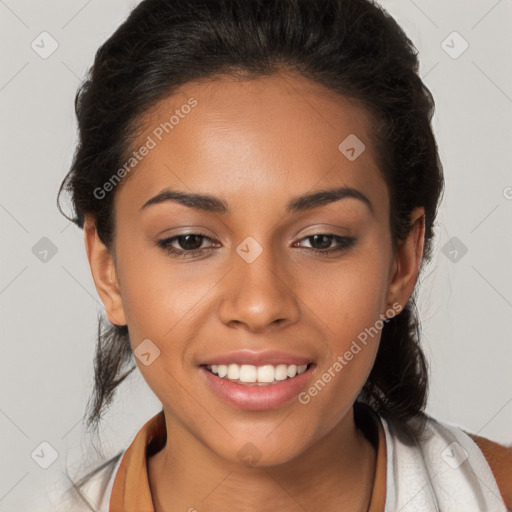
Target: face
<point>254,268</point>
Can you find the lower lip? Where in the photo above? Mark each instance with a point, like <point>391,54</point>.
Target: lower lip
<point>257,398</point>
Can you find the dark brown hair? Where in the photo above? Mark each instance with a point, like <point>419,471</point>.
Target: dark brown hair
<point>352,47</point>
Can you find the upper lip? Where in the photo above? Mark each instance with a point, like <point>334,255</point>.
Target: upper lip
<point>272,357</point>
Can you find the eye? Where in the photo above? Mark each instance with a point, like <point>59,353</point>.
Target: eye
<point>190,245</point>
<point>324,240</point>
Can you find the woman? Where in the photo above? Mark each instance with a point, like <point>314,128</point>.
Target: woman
<point>291,141</point>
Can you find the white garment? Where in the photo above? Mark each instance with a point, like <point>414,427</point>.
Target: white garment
<point>102,495</point>
<point>447,472</point>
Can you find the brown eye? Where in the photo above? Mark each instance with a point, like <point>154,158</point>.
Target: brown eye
<point>185,245</point>
<point>190,242</point>
<point>321,243</point>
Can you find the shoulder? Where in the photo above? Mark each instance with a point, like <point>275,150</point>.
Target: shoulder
<point>499,458</point>
<point>438,448</point>
<point>496,456</point>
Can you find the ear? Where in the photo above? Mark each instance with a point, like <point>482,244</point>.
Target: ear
<point>103,273</point>
<point>407,261</point>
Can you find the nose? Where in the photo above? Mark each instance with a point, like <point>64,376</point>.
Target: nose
<point>258,295</point>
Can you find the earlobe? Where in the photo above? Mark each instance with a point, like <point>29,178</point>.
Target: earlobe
<point>103,273</point>
<point>408,260</point>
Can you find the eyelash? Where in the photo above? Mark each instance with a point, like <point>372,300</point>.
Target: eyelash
<point>343,241</point>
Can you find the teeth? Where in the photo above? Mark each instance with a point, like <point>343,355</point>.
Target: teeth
<point>249,373</point>
<point>233,372</point>
<point>281,372</point>
<point>266,373</point>
<point>292,370</point>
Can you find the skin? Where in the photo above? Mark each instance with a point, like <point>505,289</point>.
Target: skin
<point>256,144</point>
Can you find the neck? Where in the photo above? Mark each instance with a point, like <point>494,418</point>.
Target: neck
<point>338,468</point>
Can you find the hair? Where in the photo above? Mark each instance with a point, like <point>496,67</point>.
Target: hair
<point>353,48</point>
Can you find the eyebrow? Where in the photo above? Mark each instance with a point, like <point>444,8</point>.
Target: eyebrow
<point>302,203</point>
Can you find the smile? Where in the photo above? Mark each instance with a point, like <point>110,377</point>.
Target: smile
<point>241,387</point>
<point>260,375</point>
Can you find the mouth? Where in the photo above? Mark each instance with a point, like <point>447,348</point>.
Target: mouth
<point>257,388</point>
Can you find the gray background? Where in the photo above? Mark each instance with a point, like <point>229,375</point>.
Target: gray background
<point>49,308</point>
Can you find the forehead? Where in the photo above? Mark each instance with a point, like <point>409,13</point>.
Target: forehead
<point>280,134</point>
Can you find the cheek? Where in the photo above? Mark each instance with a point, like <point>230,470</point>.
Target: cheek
<point>348,296</point>
<point>156,295</point>
<point>348,303</point>
<point>352,330</point>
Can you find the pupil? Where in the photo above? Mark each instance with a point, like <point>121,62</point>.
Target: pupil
<point>325,237</point>
<point>185,242</point>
